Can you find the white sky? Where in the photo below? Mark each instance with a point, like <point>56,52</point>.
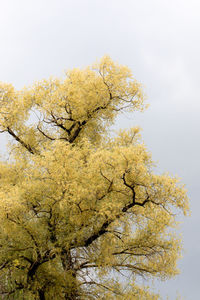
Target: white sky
<point>160,42</point>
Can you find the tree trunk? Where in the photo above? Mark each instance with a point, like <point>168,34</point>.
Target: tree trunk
<point>41,295</point>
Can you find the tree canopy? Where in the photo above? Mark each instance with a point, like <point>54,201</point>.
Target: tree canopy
<point>83,214</point>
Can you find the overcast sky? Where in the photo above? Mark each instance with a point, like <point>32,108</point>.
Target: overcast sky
<point>160,41</point>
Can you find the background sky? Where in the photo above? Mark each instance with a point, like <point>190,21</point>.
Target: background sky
<point>160,42</point>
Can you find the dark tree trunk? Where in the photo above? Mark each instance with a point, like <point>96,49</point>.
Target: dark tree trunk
<point>41,295</point>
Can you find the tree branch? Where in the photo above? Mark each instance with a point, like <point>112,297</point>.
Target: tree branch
<point>28,147</point>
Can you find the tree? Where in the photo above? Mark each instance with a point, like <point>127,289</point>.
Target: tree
<point>82,212</point>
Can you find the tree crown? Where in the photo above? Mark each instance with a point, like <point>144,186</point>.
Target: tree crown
<point>80,208</point>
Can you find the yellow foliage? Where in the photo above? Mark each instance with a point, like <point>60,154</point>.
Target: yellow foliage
<point>78,207</point>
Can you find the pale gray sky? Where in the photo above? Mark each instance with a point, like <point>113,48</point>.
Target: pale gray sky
<point>160,42</point>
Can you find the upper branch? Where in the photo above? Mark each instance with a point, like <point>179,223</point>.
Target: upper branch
<point>18,139</point>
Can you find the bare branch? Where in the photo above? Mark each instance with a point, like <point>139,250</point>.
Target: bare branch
<point>44,134</point>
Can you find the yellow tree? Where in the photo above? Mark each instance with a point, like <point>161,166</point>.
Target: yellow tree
<point>82,213</point>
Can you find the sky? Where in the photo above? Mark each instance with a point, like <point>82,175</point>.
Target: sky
<point>160,42</point>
